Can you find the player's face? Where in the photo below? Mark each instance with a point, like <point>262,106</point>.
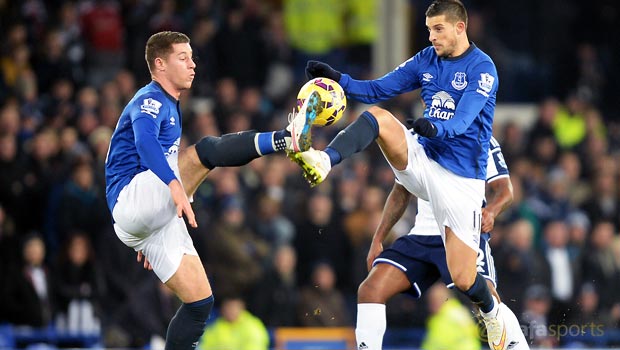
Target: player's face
<point>442,34</point>
<point>180,66</point>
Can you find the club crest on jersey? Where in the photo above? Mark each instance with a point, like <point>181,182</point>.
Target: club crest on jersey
<point>150,107</point>
<point>459,81</point>
<point>442,101</point>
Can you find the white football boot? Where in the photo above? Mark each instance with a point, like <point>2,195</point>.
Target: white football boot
<point>315,164</point>
<point>514,334</point>
<point>300,124</point>
<point>496,328</point>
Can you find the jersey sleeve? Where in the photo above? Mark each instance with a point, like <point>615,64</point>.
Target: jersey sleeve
<point>146,119</point>
<point>400,80</point>
<point>496,166</point>
<point>482,83</point>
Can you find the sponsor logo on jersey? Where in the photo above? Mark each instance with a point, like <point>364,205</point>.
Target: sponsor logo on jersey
<point>442,106</point>
<point>427,76</point>
<point>485,84</point>
<point>150,107</point>
<point>459,82</point>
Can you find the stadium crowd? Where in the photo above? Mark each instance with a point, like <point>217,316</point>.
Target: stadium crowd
<point>295,254</point>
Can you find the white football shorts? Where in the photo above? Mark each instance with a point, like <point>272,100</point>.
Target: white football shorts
<point>456,200</point>
<point>146,219</point>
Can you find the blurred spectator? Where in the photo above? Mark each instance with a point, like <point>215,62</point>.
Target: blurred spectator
<point>279,73</point>
<point>82,204</point>
<point>578,189</point>
<point>310,40</point>
<point>238,38</point>
<point>588,310</point>
<point>362,29</point>
<point>270,224</point>
<point>599,266</point>
<point>535,316</point>
<point>51,63</point>
<point>79,284</point>
<point>203,32</point>
<point>602,205</point>
<point>70,34</point>
<point>102,27</point>
<point>320,303</point>
<point>275,297</point>
<point>518,264</point>
<point>166,18</point>
<point>321,238</point>
<point>564,271</point>
<point>235,329</point>
<point>569,125</point>
<point>29,295</point>
<point>143,318</point>
<point>450,325</point>
<point>77,274</point>
<point>235,254</point>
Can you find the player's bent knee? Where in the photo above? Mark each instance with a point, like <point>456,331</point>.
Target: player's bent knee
<point>369,292</point>
<point>207,149</point>
<point>463,280</point>
<point>381,115</point>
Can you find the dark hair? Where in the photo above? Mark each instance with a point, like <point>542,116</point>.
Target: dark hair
<point>160,45</point>
<point>454,10</point>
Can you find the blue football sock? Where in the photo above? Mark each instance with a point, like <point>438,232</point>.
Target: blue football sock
<point>354,138</point>
<point>480,294</point>
<point>188,324</point>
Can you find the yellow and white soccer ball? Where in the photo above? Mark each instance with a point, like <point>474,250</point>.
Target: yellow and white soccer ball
<point>332,97</point>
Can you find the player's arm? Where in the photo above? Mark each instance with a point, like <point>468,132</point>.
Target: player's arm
<point>400,80</point>
<point>394,208</point>
<point>149,149</point>
<point>500,196</point>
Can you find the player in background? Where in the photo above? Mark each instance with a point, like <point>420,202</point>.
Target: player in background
<point>417,260</point>
<point>149,180</point>
<point>444,159</point>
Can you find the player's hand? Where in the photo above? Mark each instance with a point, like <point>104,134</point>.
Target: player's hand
<point>424,127</point>
<point>181,202</point>
<point>147,264</point>
<point>375,249</point>
<point>315,69</point>
<point>488,220</point>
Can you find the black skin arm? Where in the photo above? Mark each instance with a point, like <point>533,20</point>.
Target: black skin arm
<point>499,198</point>
<point>394,208</point>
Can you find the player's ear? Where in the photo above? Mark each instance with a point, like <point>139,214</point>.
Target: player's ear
<point>460,27</point>
<point>160,64</point>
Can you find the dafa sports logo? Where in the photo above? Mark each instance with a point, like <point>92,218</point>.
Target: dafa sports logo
<point>442,106</point>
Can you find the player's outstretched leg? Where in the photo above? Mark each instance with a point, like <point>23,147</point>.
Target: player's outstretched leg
<point>374,124</point>
<point>240,148</point>
<point>383,282</point>
<point>461,260</point>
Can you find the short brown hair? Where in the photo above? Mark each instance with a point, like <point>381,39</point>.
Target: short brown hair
<point>454,10</point>
<point>160,45</point>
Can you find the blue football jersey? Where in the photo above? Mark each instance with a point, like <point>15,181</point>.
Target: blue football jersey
<point>135,149</point>
<point>459,95</point>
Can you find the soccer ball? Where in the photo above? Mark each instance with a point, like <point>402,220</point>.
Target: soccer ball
<point>332,96</point>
